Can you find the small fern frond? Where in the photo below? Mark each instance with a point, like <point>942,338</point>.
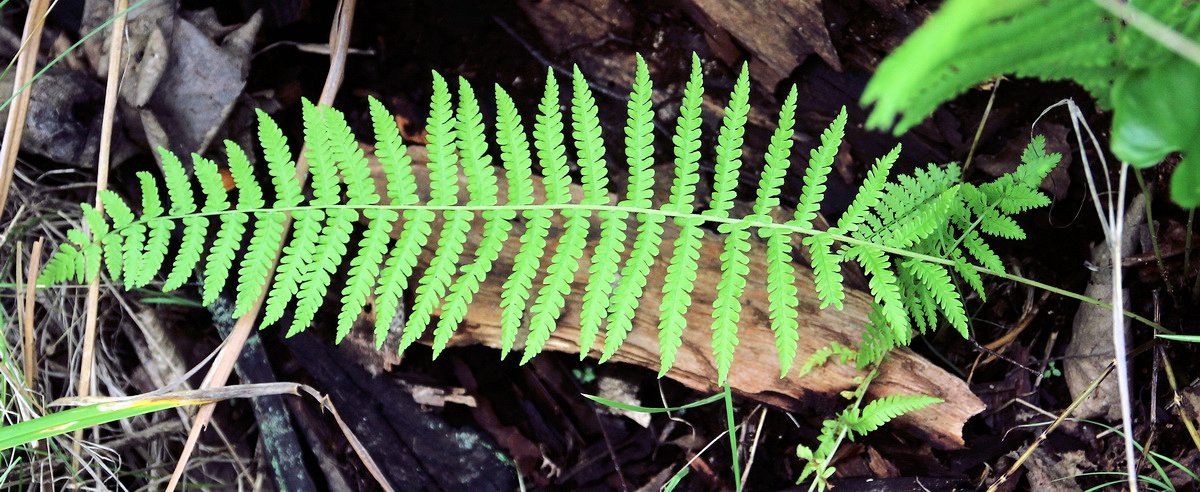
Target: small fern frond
<point>727,307</point>
<point>442,129</point>
<point>158,230</point>
<point>518,163</point>
<point>483,190</point>
<point>606,257</point>
<point>781,289</point>
<point>729,147</point>
<point>869,193</point>
<point>551,153</point>
<point>883,410</point>
<point>820,162</point>
<point>681,270</point>
<point>929,214</point>
<point>639,154</point>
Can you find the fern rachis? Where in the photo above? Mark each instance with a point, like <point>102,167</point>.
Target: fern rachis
<point>908,235</point>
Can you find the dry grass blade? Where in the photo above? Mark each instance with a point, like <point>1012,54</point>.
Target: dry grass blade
<point>29,350</point>
<point>15,125</point>
<point>339,40</point>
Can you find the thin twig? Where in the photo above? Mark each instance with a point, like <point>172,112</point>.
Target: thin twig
<point>758,432</point>
<point>222,368</point>
<point>1046,433</point>
<point>30,352</point>
<point>15,125</point>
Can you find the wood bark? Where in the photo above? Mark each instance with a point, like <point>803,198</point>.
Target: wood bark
<point>755,371</point>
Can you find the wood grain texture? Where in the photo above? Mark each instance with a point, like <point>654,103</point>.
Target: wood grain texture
<point>755,372</point>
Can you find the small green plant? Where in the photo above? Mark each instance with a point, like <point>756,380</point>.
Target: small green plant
<point>1154,93</point>
<point>908,236</point>
<point>855,420</point>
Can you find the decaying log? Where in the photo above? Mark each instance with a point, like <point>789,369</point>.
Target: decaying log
<point>755,372</point>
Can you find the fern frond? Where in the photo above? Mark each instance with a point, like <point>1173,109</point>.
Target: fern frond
<point>884,287</point>
<point>934,280</point>
<point>606,257</point>
<point>267,237</point>
<point>681,271</point>
<point>639,153</point>
<point>727,306</point>
<point>483,190</point>
<point>330,246</point>
<point>729,147</point>
<point>820,162</point>
<point>564,263</point>
<point>443,172</point>
<point>781,290</point>
<point>158,231</point>
<point>883,410</point>
<point>869,193</point>
<point>515,153</point>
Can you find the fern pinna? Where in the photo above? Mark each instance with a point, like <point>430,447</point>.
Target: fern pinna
<point>911,236</point>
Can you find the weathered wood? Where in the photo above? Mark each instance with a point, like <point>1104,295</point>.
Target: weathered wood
<point>755,372</point>
<point>778,34</point>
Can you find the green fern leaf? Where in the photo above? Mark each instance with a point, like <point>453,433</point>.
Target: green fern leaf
<point>158,233</point>
<point>727,306</point>
<point>401,190</point>
<point>267,237</point>
<point>936,281</point>
<point>431,287</point>
<point>884,287</point>
<point>639,145</point>
<point>515,153</point>
<point>483,190</point>
<point>117,246</point>
<point>330,245</point>
<point>179,189</point>
<point>781,290</point>
<point>606,258</point>
<point>820,162</point>
<point>564,263</point>
<point>827,275</point>
<point>681,271</point>
<point>301,251</point>
<point>869,193</point>
<point>729,147</point>
<point>881,411</point>
<point>233,225</point>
